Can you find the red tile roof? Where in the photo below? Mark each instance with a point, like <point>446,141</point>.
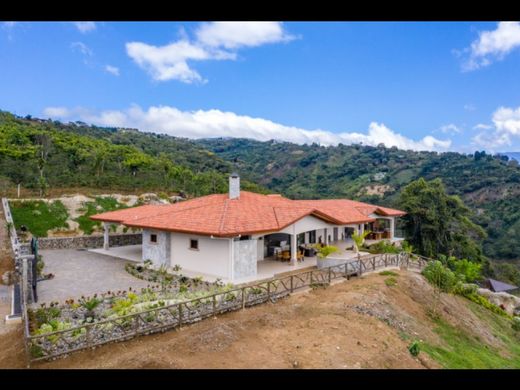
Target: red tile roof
<point>251,213</point>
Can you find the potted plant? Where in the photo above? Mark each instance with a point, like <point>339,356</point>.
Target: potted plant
<point>323,256</point>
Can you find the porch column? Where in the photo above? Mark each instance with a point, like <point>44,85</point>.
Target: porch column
<point>106,243</point>
<point>294,247</point>
<point>362,228</point>
<point>392,228</point>
<point>325,238</point>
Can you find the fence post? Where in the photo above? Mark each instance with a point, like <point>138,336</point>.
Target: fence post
<point>180,314</point>
<point>269,291</point>
<point>87,336</point>
<point>214,304</point>
<point>311,277</point>
<point>292,286</point>
<point>243,297</point>
<point>374,263</point>
<point>386,259</point>
<point>360,269</point>
<point>330,271</point>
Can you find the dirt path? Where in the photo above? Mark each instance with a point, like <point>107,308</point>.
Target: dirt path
<point>355,324</point>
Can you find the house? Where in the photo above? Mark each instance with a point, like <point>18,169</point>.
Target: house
<point>232,236</point>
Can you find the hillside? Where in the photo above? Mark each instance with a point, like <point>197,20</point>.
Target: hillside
<point>361,323</point>
<point>489,185</point>
<point>42,155</point>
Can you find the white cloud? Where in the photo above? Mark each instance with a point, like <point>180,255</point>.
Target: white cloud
<point>449,129</point>
<point>82,48</point>
<point>214,41</point>
<point>168,62</point>
<point>85,27</point>
<point>112,70</point>
<point>233,35</point>
<point>506,127</point>
<point>216,123</point>
<point>482,126</point>
<point>57,112</point>
<point>507,120</point>
<point>492,45</point>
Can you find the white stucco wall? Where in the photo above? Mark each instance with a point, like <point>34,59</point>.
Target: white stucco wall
<point>244,258</point>
<point>212,257</point>
<point>158,252</point>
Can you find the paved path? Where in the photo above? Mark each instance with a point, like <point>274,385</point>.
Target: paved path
<point>80,272</point>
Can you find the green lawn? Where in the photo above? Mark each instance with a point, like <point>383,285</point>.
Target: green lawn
<point>465,351</point>
<point>39,216</point>
<point>99,205</point>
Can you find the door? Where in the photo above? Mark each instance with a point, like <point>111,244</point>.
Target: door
<point>335,233</point>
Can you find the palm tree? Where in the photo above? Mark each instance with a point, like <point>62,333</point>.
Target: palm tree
<point>359,239</point>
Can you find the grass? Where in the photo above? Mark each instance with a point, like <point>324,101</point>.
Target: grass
<point>388,273</point>
<point>39,216</point>
<point>99,205</point>
<point>391,281</point>
<point>465,351</point>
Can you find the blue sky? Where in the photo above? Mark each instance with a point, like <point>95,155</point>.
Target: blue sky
<point>437,86</point>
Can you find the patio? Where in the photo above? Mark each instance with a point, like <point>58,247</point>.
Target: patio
<point>80,272</point>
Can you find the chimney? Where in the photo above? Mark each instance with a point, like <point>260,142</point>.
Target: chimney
<point>234,186</point>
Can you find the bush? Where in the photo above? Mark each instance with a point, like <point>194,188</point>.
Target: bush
<point>471,271</point>
<point>439,276</point>
<point>391,281</point>
<point>516,324</point>
<point>384,247</point>
<point>414,348</point>
<point>327,250</point>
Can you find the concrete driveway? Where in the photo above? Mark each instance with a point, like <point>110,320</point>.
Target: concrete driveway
<point>80,272</point>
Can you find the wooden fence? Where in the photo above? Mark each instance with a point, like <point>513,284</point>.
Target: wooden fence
<point>51,345</point>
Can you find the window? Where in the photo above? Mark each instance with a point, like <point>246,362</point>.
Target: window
<point>312,237</point>
<point>194,244</point>
<point>153,238</point>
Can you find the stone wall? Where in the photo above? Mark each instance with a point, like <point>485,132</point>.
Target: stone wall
<point>244,258</point>
<point>94,241</point>
<point>158,252</point>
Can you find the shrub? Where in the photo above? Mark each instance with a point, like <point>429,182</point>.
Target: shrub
<point>516,324</point>
<point>90,304</point>
<point>327,250</point>
<point>439,276</point>
<point>391,281</point>
<point>384,247</point>
<point>45,315</point>
<point>471,271</point>
<point>414,348</point>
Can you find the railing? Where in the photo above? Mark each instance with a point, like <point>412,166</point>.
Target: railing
<point>88,335</point>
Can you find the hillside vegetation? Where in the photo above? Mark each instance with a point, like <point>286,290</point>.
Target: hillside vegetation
<point>40,154</point>
<point>489,185</point>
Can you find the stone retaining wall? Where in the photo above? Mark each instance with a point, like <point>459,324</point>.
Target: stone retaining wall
<point>95,241</point>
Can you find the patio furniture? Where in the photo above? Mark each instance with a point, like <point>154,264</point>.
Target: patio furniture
<point>301,256</point>
<point>286,256</point>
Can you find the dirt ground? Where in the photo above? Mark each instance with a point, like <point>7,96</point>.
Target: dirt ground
<point>353,324</point>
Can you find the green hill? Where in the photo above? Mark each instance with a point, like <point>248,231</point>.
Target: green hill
<point>490,185</point>
<point>42,154</point>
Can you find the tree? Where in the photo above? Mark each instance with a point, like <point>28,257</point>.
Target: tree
<point>359,239</point>
<point>437,223</point>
